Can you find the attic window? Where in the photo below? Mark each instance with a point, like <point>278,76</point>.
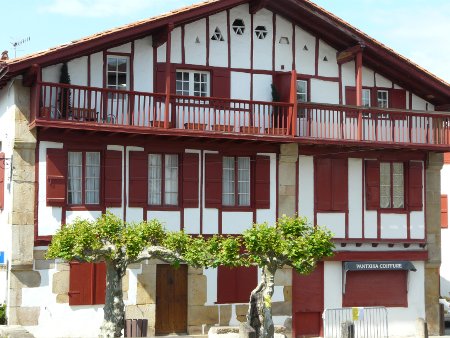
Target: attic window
<point>239,26</point>
<point>217,36</point>
<point>261,32</point>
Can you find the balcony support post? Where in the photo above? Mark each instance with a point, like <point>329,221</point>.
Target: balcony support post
<point>293,101</point>
<point>358,75</point>
<point>168,77</point>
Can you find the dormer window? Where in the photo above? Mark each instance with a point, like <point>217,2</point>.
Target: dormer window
<point>239,26</point>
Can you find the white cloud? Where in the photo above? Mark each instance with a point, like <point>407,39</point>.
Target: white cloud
<point>105,8</point>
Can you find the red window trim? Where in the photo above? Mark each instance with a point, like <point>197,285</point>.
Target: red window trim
<point>83,205</point>
<point>163,206</point>
<point>236,206</point>
<point>406,173</point>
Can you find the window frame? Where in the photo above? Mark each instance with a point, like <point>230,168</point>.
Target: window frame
<point>192,82</point>
<point>391,193</point>
<point>163,205</point>
<point>101,177</point>
<point>236,206</point>
<point>386,100</point>
<point>128,86</point>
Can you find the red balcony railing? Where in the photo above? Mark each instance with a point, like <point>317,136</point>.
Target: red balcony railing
<point>105,107</point>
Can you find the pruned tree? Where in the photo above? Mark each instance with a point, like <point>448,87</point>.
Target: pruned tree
<point>65,93</point>
<point>108,239</point>
<point>291,242</point>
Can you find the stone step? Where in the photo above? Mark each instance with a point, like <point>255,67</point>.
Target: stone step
<point>14,331</point>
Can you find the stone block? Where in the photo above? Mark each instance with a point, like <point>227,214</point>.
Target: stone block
<point>125,295</point>
<point>197,290</point>
<point>62,266</point>
<point>135,266</point>
<point>146,286</point>
<point>60,284</point>
<point>286,205</point>
<point>198,315</point>
<point>289,149</point>
<point>126,281</point>
<point>62,299</point>
<point>22,244</point>
<point>283,277</point>
<point>241,309</point>
<point>194,271</point>
<point>39,254</point>
<point>288,172</point>
<point>281,308</point>
<point>25,279</point>
<point>225,315</point>
<point>44,264</point>
<point>26,316</point>
<point>286,190</point>
<point>287,292</point>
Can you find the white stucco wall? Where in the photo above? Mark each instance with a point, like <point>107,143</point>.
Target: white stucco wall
<point>218,50</point>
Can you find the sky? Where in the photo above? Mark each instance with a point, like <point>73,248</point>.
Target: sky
<point>417,29</point>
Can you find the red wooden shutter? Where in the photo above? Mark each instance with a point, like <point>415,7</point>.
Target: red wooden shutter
<point>398,98</point>
<point>56,177</point>
<point>322,180</point>
<point>80,283</point>
<point>234,285</point>
<point>99,283</point>
<point>350,100</point>
<point>415,186</point>
<point>160,85</point>
<point>113,178</point>
<point>339,184</point>
<point>213,181</point>
<point>190,180</point>
<point>350,96</point>
<point>138,189</point>
<point>262,182</point>
<point>221,83</point>
<point>2,181</point>
<point>372,185</point>
<point>444,211</point>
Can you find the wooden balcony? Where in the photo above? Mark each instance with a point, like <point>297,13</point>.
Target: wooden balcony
<point>67,106</point>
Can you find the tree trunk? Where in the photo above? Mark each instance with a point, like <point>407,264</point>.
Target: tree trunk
<point>114,310</point>
<point>260,308</point>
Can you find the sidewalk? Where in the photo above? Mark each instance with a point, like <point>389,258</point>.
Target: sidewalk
<point>14,331</point>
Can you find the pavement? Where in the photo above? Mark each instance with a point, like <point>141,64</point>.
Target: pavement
<point>14,331</point>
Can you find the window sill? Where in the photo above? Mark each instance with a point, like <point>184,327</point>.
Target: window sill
<point>238,209</point>
<point>90,207</point>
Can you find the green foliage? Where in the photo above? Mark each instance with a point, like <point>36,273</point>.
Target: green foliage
<point>292,242</point>
<point>107,237</point>
<point>2,314</point>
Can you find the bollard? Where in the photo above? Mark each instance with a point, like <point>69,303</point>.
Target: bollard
<point>347,330</point>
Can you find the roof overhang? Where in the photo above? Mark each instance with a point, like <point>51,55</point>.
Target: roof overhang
<point>306,14</point>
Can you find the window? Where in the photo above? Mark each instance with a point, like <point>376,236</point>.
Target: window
<point>302,96</point>
<point>383,99</point>
<point>162,179</point>
<point>117,73</point>
<point>236,181</point>
<point>394,185</point>
<point>83,178</point>
<point>366,98</point>
<point>87,283</point>
<point>392,194</point>
<point>331,184</point>
<point>192,83</point>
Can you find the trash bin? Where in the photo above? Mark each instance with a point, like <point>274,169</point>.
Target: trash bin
<point>136,327</point>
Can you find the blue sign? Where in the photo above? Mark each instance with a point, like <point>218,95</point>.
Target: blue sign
<point>2,257</point>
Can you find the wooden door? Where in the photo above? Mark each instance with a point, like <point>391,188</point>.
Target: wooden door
<point>307,303</point>
<point>171,299</point>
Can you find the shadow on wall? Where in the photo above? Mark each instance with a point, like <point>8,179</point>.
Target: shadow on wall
<point>445,288</point>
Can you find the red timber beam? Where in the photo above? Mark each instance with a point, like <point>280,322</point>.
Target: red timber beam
<point>293,101</point>
<point>349,54</point>
<point>168,73</point>
<point>31,75</point>
<point>256,5</point>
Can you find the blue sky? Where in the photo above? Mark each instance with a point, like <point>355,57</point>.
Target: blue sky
<point>417,29</point>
